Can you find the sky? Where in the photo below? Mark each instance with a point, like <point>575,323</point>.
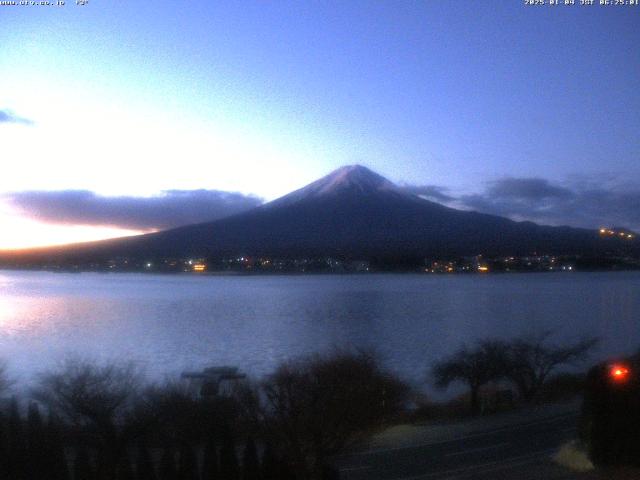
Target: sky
<point>124,117</point>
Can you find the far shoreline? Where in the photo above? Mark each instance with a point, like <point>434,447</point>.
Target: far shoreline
<point>318,273</point>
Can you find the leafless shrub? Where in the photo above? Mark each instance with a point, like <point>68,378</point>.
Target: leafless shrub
<point>86,393</point>
<point>532,359</point>
<point>527,362</point>
<point>474,367</point>
<point>97,398</point>
<point>317,405</point>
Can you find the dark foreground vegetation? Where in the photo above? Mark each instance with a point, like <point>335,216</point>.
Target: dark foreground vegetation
<point>88,421</point>
<point>103,422</point>
<point>524,364</point>
<point>610,414</point>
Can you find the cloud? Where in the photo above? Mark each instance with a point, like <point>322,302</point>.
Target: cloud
<point>431,192</point>
<point>527,189</point>
<point>170,209</point>
<point>7,116</point>
<point>583,204</point>
<point>588,202</point>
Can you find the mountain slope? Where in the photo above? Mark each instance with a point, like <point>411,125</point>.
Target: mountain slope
<point>352,213</point>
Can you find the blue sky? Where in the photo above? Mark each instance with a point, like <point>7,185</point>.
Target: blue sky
<point>494,106</point>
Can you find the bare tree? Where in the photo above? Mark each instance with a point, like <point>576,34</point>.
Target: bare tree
<point>475,367</point>
<point>531,360</point>
<point>98,398</point>
<point>317,405</point>
<point>88,393</point>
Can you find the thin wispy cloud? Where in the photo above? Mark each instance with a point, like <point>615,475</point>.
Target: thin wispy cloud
<point>430,192</point>
<point>170,209</point>
<point>7,116</point>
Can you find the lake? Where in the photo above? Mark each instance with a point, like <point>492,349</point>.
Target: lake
<point>168,323</point>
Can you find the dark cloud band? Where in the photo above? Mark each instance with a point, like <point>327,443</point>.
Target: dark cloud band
<point>583,204</point>
<point>529,189</point>
<point>170,209</point>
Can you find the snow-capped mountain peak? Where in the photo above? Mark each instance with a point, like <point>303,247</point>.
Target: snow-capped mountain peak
<point>350,178</point>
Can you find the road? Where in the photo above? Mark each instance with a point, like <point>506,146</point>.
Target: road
<point>519,451</point>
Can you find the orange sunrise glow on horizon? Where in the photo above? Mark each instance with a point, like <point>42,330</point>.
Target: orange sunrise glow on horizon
<point>21,233</point>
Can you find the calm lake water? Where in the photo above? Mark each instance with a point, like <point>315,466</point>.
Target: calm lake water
<point>168,323</point>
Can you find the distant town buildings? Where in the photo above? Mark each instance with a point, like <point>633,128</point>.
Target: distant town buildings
<point>478,264</point>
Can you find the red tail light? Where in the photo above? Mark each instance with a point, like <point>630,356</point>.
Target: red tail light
<point>619,373</point>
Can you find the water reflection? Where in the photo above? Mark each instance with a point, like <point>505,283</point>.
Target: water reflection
<point>169,323</point>
<point>8,312</point>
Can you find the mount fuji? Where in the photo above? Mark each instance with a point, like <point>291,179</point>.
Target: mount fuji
<point>350,213</point>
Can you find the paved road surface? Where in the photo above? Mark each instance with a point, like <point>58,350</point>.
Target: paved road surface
<point>519,451</point>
